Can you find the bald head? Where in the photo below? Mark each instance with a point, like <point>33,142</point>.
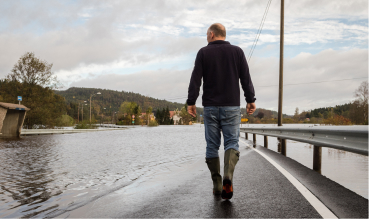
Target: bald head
<point>216,32</point>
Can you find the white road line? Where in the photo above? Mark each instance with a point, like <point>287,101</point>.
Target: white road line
<point>314,201</point>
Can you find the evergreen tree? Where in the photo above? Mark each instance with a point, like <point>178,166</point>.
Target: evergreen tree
<point>167,116</point>
<point>158,116</point>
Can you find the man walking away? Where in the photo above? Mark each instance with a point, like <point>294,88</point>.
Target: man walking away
<point>222,66</point>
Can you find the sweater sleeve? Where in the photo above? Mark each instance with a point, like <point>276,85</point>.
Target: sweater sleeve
<point>245,78</point>
<point>195,82</point>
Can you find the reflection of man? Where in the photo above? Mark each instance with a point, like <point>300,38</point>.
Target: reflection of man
<point>222,66</point>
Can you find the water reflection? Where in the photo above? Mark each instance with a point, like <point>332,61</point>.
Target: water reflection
<point>45,175</point>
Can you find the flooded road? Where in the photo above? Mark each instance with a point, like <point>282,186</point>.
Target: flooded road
<point>41,175</point>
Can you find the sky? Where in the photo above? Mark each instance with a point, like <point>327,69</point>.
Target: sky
<point>149,46</point>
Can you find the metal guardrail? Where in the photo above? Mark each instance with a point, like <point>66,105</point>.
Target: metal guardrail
<point>348,138</point>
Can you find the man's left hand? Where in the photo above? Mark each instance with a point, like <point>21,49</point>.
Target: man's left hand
<point>192,110</point>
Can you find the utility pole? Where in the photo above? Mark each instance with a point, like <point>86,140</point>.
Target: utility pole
<point>280,97</point>
<point>78,112</point>
<point>282,142</point>
<point>90,103</point>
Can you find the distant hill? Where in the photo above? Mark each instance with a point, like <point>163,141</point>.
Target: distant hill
<point>111,100</point>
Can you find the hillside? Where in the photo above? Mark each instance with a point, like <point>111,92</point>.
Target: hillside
<point>111,100</point>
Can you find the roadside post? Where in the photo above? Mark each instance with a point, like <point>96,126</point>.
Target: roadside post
<point>200,119</point>
<point>244,120</point>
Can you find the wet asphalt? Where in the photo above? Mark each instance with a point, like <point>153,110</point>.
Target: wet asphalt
<point>260,191</point>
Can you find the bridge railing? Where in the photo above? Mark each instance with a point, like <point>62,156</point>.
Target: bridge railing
<point>347,138</point>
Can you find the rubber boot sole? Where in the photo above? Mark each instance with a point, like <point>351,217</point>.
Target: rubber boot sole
<point>217,193</point>
<point>227,192</point>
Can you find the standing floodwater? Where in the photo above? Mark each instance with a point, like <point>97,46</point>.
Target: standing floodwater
<point>41,175</point>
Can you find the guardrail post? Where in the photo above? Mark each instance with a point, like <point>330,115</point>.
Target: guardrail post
<point>283,147</point>
<point>254,139</point>
<point>247,136</point>
<point>279,145</point>
<point>317,159</point>
<point>265,141</point>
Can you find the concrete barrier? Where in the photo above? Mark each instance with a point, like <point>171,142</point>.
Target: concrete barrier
<point>11,119</point>
<point>26,132</point>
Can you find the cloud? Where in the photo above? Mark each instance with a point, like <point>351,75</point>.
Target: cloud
<point>150,46</point>
<point>71,34</point>
<point>328,65</point>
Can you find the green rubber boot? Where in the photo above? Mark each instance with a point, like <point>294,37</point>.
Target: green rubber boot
<point>231,157</point>
<point>214,167</point>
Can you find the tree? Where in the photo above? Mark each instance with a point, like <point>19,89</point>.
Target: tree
<point>127,109</point>
<point>307,115</point>
<point>137,112</point>
<point>338,120</point>
<point>260,115</point>
<point>46,106</point>
<point>362,101</point>
<point>296,111</point>
<point>296,115</point>
<point>166,116</point>
<point>148,113</point>
<point>186,118</point>
<point>158,116</point>
<point>32,79</point>
<point>33,71</point>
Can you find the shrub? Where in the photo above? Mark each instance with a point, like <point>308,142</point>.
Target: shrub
<point>65,120</point>
<point>338,120</point>
<point>85,125</point>
<point>153,123</point>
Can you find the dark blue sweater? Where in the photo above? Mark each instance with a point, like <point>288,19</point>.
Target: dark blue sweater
<point>222,66</point>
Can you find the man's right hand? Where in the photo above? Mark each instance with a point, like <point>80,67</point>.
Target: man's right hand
<point>192,110</point>
<point>250,108</point>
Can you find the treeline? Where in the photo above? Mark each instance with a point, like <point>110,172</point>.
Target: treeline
<point>32,79</point>
<point>163,117</point>
<point>354,113</point>
<point>108,103</point>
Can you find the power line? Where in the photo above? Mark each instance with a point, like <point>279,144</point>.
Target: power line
<point>259,31</point>
<point>316,82</point>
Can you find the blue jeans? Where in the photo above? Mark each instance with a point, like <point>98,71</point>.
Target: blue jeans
<point>221,118</point>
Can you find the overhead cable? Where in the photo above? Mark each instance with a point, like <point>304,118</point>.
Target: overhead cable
<point>259,31</point>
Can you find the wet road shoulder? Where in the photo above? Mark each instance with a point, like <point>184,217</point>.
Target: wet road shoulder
<point>260,191</point>
<point>343,202</point>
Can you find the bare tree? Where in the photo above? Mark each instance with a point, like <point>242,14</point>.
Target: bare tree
<point>362,93</point>
<point>362,99</point>
<point>33,71</point>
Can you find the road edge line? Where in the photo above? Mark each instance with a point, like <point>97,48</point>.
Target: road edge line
<point>310,197</point>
